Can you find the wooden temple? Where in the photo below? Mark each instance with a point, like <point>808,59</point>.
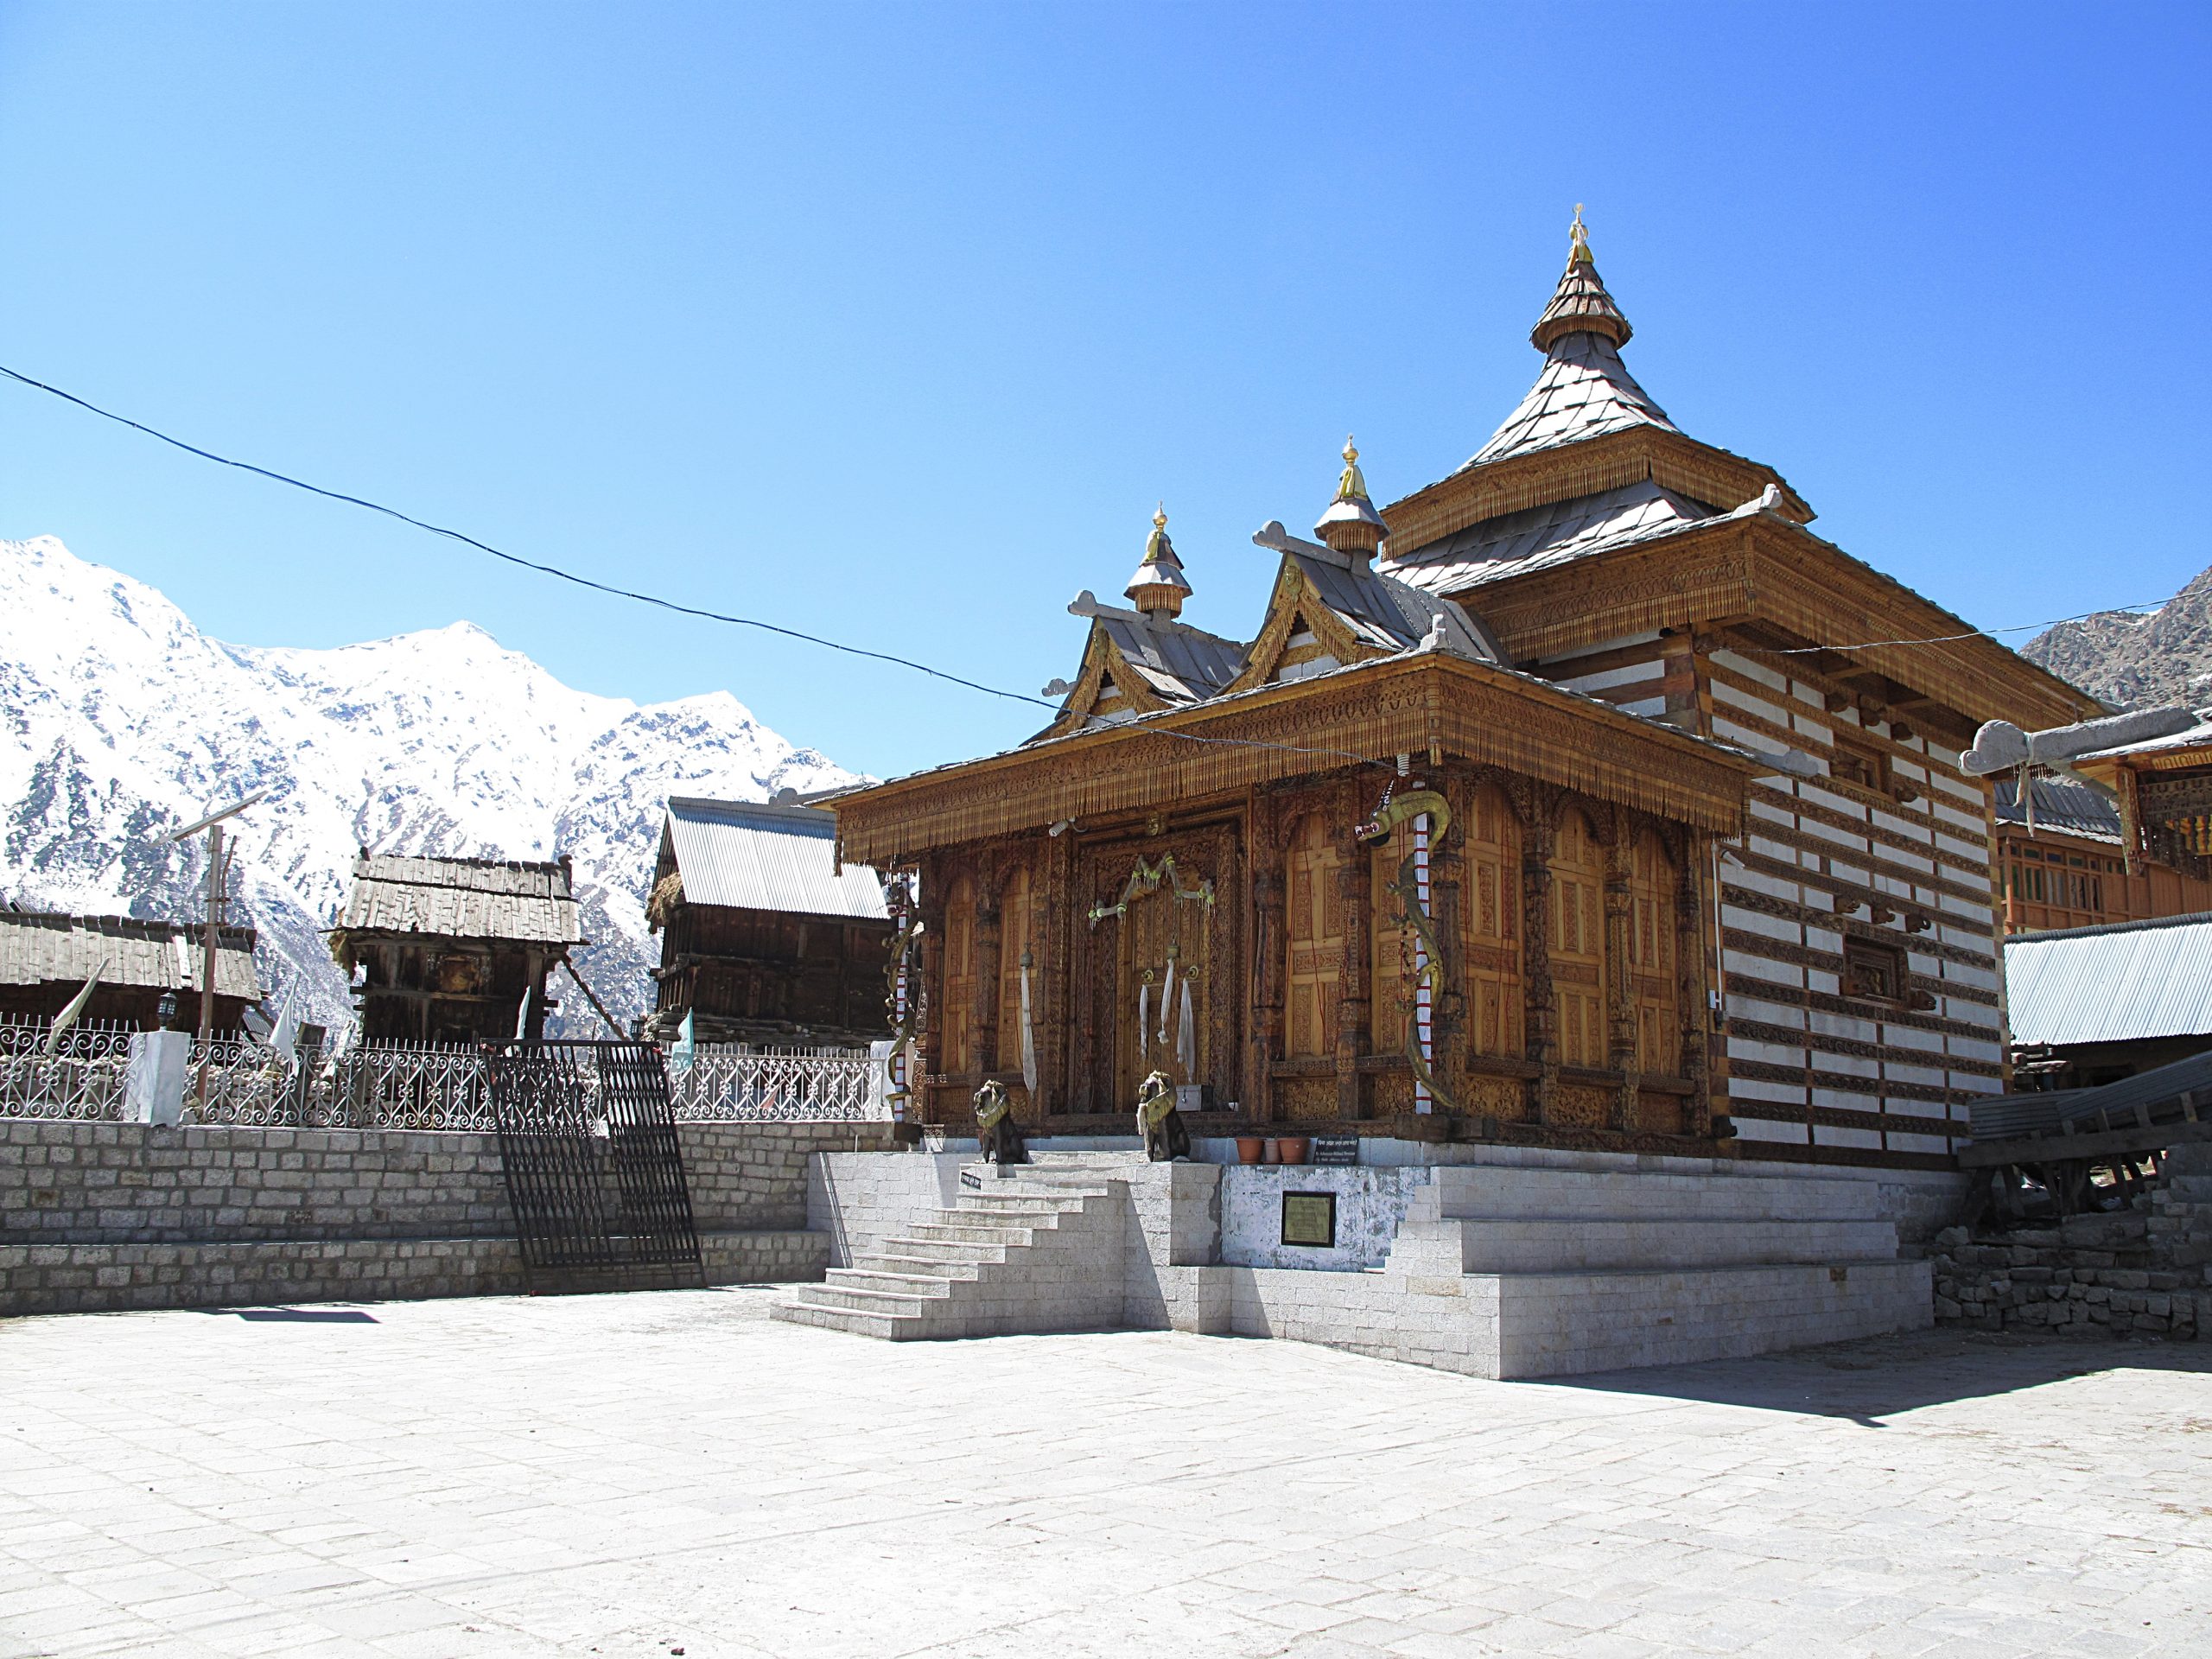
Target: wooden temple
<point>1698,865</point>
<point>454,951</point>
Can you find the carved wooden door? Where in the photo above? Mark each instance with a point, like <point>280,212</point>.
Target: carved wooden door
<point>1160,931</point>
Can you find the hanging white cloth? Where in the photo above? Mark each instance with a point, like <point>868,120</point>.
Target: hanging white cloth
<point>1187,1036</point>
<point>1144,1029</point>
<point>1166,1001</point>
<point>1028,1035</point>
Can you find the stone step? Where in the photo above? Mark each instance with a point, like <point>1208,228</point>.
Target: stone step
<point>1466,1192</point>
<point>944,1250</point>
<point>911,1284</point>
<point>1056,1202</point>
<point>868,1300</point>
<point>921,1266</point>
<point>1011,1233</point>
<point>1577,1244</point>
<point>887,1327</point>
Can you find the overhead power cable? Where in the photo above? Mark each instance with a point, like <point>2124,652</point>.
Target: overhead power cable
<point>609,589</point>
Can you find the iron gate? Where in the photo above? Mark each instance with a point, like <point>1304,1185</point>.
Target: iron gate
<point>594,1171</point>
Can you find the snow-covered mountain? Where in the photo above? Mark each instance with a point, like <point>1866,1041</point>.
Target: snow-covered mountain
<point>120,722</point>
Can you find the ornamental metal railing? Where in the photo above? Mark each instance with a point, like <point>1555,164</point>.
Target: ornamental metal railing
<point>737,1083</point>
<point>82,1077</point>
<point>238,1082</point>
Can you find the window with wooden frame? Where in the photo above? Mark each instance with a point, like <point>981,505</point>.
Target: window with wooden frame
<point>1874,972</point>
<point>1491,907</point>
<point>1578,941</point>
<point>1315,942</point>
<point>1861,761</point>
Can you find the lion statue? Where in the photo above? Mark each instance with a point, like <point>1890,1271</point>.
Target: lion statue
<point>997,1133</point>
<point>1166,1136</point>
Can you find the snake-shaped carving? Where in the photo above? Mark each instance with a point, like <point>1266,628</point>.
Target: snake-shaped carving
<point>1395,809</point>
<point>905,1021</point>
<point>1147,878</point>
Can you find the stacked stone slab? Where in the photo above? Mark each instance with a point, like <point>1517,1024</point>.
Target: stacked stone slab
<point>1529,1265</point>
<point>2144,1271</point>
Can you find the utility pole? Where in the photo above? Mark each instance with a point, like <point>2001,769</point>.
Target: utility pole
<point>216,873</point>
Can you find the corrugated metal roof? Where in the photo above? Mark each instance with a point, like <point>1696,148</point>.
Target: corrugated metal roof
<point>2074,808</point>
<point>2111,984</point>
<point>462,897</point>
<point>2003,1117</point>
<point>39,948</point>
<point>751,856</point>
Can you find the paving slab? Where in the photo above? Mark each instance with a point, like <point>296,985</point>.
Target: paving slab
<point>631,1475</point>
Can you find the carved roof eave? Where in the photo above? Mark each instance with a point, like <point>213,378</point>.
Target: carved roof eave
<point>1102,663</point>
<point>1411,703</point>
<point>1292,597</point>
<point>1586,467</point>
<point>1766,567</point>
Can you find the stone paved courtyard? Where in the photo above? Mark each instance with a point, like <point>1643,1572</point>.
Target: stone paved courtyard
<point>650,1474</point>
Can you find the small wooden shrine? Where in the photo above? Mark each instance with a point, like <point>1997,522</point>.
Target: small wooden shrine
<point>1700,855</point>
<point>764,939</point>
<point>454,951</point>
<point>46,957</point>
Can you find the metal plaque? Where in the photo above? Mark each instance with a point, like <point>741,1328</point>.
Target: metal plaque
<point>1310,1218</point>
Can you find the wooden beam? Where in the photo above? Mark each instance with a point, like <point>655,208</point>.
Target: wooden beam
<point>2051,1148</point>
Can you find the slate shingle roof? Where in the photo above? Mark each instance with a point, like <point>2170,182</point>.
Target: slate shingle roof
<point>1391,614</point>
<point>462,897</point>
<point>39,948</point>
<point>2075,808</point>
<point>1583,391</point>
<point>1529,540</point>
<point>1182,664</point>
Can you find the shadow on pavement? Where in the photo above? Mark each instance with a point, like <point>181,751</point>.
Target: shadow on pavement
<point>1881,1376</point>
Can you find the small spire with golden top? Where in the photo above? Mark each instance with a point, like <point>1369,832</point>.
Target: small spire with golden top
<point>1352,526</point>
<point>1580,304</point>
<point>1160,587</point>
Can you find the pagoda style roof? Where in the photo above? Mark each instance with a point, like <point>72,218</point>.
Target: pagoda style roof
<point>1583,391</point>
<point>1536,538</point>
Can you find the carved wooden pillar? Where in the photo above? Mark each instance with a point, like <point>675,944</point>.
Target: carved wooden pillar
<point>1055,980</point>
<point>1696,973</point>
<point>1539,1012</point>
<point>1447,906</point>
<point>983,1007</point>
<point>1620,995</point>
<point>933,883</point>
<point>1352,882</point>
<point>1263,1044</point>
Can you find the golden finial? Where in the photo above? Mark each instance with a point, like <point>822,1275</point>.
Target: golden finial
<point>1157,545</point>
<point>1578,240</point>
<point>1159,516</point>
<point>1352,486</point>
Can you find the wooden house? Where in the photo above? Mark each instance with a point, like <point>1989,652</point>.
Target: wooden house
<point>1711,863</point>
<point>764,939</point>
<point>2067,866</point>
<point>46,957</point>
<point>445,950</point>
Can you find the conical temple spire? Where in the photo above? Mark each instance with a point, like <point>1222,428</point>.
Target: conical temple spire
<point>1351,525</point>
<point>1160,587</point>
<point>1579,304</point>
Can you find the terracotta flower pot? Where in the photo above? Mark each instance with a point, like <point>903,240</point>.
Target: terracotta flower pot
<point>1270,1150</point>
<point>1249,1148</point>
<point>1294,1148</point>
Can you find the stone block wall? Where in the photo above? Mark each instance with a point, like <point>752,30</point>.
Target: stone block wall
<point>2143,1271</point>
<point>133,1215</point>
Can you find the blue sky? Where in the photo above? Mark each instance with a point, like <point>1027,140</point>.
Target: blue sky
<point>893,322</point>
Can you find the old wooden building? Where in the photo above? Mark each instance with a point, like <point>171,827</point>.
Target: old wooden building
<point>46,957</point>
<point>1706,860</point>
<point>447,950</point>
<point>764,940</point>
<point>2067,866</point>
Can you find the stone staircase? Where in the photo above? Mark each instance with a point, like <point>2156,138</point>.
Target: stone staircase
<point>1033,1252</point>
